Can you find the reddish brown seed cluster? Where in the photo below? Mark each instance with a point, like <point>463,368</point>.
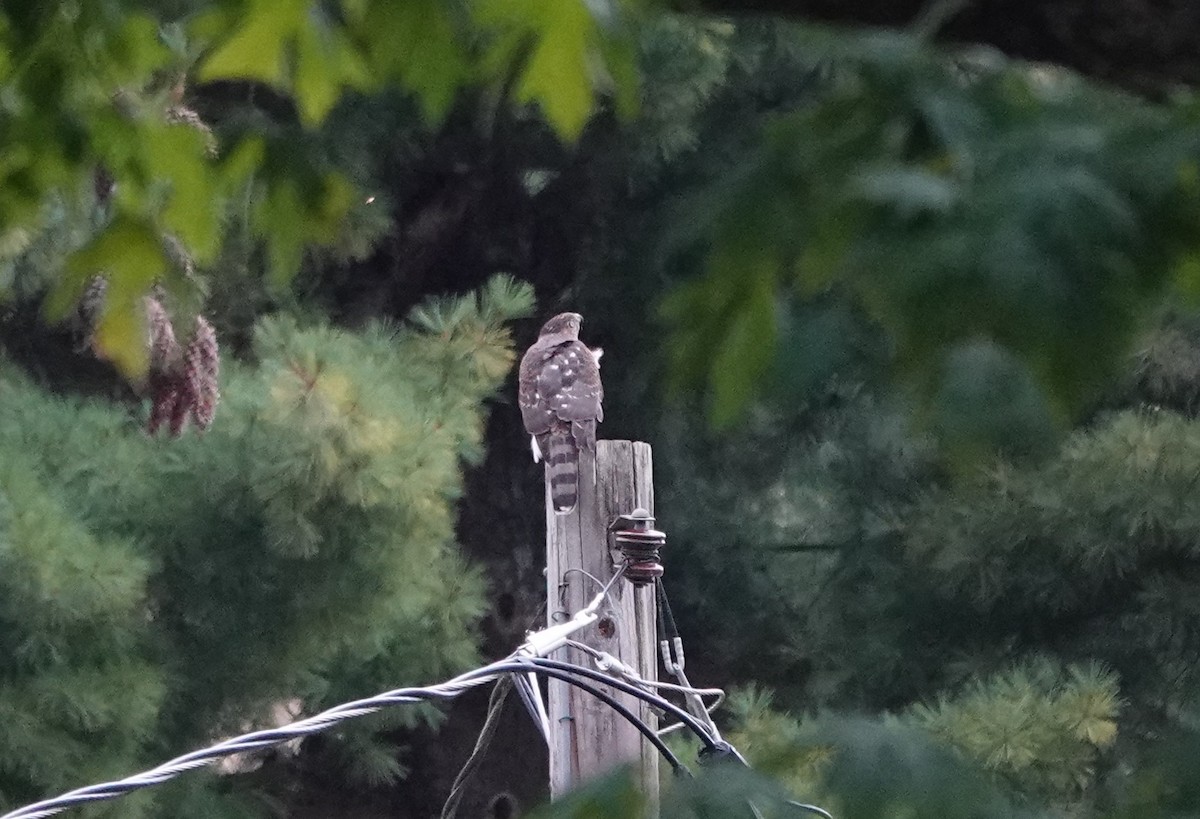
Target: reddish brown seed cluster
<point>202,368</point>
<point>183,382</point>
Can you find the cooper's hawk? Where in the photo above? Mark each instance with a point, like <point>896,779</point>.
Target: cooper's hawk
<point>559,392</point>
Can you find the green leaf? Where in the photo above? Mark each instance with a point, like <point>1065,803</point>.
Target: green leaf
<point>137,50</point>
<point>613,796</point>
<point>128,250</point>
<point>333,203</point>
<point>130,254</point>
<point>326,62</point>
<point>238,166</point>
<point>557,76</point>
<point>317,85</point>
<point>278,220</point>
<point>415,43</point>
<point>564,46</point>
<point>175,153</point>
<point>620,60</point>
<point>294,47</point>
<point>120,335</point>
<point>255,50</point>
<point>907,190</point>
<point>1187,278</point>
<point>988,401</point>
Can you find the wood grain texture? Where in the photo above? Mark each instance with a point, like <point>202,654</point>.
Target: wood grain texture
<point>587,738</point>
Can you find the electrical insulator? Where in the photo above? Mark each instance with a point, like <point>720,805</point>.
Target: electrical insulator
<point>635,537</point>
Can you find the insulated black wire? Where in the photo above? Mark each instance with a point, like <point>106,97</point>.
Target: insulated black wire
<point>646,731</point>
<point>520,662</point>
<point>697,727</point>
<point>563,671</point>
<point>491,722</point>
<point>684,716</point>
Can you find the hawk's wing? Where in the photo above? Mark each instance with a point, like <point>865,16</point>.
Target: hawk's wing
<point>559,383</point>
<point>535,405</point>
<point>571,377</point>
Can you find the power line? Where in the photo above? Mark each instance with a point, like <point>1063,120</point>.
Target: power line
<point>536,643</point>
<point>490,723</point>
<point>327,719</point>
<point>253,741</point>
<point>611,665</point>
<point>564,673</point>
<point>546,665</point>
<point>519,670</point>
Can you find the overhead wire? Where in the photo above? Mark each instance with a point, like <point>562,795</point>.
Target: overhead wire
<point>253,741</point>
<point>326,719</point>
<point>637,722</point>
<point>492,721</point>
<point>698,728</point>
<point>610,664</point>
<point>517,670</point>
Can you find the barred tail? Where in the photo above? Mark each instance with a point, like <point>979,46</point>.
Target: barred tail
<point>562,471</point>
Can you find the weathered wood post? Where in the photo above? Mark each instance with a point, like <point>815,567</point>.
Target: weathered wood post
<point>587,738</point>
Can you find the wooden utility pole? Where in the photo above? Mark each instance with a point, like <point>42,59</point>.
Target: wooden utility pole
<point>587,738</point>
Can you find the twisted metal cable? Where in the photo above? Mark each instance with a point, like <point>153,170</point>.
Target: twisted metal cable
<point>311,725</point>
<point>255,740</point>
<point>526,660</point>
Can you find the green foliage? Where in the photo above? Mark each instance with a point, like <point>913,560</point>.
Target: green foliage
<point>788,527</point>
<point>563,52</point>
<point>1040,726</point>
<point>1102,537</point>
<point>819,546</point>
<point>302,548</point>
<point>684,63</point>
<point>1166,367</point>
<point>82,86</point>
<point>79,692</point>
<point>88,85</point>
<point>61,64</point>
<point>851,766</point>
<point>610,796</point>
<point>882,768</point>
<point>854,768</point>
<point>34,258</point>
<point>1004,212</point>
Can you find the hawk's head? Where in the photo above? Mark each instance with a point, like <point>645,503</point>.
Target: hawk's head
<point>564,325</point>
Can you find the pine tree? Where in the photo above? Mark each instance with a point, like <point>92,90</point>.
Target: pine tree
<point>826,544</point>
<point>174,590</point>
<point>80,689</point>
